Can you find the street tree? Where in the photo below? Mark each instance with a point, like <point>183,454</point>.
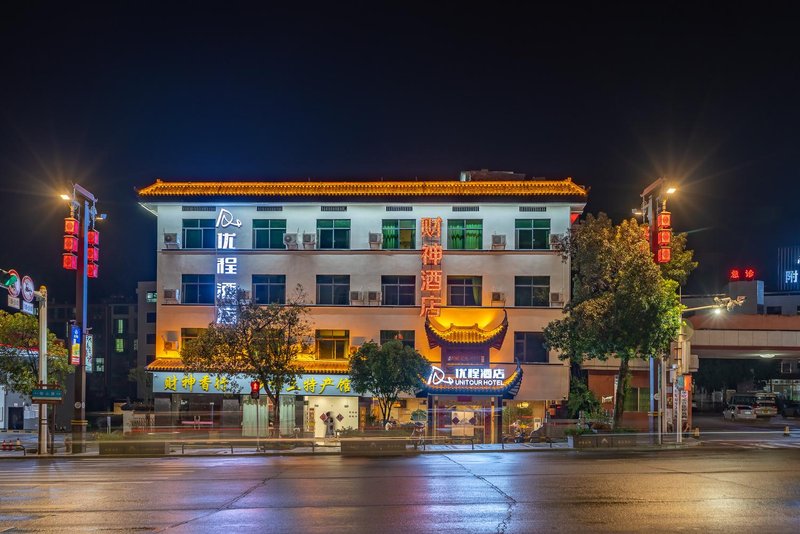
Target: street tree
<point>261,341</point>
<point>623,305</point>
<point>19,354</point>
<point>386,371</point>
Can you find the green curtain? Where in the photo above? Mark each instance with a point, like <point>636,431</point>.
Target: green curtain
<point>390,233</point>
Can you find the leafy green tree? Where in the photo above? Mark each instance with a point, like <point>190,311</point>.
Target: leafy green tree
<point>262,342</point>
<point>386,371</point>
<point>19,354</point>
<point>624,305</point>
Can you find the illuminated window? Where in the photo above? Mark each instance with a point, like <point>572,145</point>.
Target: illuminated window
<point>119,345</point>
<point>333,344</point>
<point>399,234</point>
<point>333,289</point>
<point>532,234</point>
<point>531,291</point>
<point>120,326</point>
<point>188,334</point>
<point>333,233</point>
<point>152,296</point>
<point>199,233</point>
<point>269,288</point>
<point>464,234</point>
<point>529,347</point>
<point>398,290</point>
<point>268,233</point>
<point>197,289</point>
<point>99,365</point>
<point>404,336</point>
<point>464,290</point>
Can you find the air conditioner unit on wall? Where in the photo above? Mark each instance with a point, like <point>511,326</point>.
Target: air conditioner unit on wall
<point>555,241</point>
<point>290,240</point>
<point>498,241</point>
<point>356,296</point>
<point>309,240</point>
<point>498,296</point>
<point>171,240</point>
<point>556,299</point>
<point>170,345</point>
<point>375,239</point>
<point>172,295</point>
<point>374,296</point>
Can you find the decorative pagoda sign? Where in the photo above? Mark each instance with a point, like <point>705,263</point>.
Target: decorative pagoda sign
<point>431,281</point>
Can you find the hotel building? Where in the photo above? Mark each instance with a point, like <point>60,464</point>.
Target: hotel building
<point>467,271</point>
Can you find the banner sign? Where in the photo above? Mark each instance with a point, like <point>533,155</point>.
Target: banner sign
<point>89,353</point>
<point>206,383</point>
<point>75,345</point>
<point>467,376</point>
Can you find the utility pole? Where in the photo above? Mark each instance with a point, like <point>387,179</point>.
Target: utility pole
<point>41,296</point>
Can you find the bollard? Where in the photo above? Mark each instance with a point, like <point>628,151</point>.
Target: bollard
<point>786,431</point>
<point>18,445</point>
<point>696,432</point>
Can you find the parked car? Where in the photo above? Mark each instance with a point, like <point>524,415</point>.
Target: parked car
<point>740,412</point>
<point>762,403</point>
<point>789,408</point>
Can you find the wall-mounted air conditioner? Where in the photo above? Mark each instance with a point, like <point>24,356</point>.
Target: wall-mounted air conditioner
<point>356,296</point>
<point>375,240</point>
<point>374,296</point>
<point>309,240</point>
<point>556,299</point>
<point>498,296</point>
<point>555,241</point>
<point>498,242</point>
<point>172,296</point>
<point>170,345</point>
<point>171,240</point>
<point>171,340</point>
<point>290,240</point>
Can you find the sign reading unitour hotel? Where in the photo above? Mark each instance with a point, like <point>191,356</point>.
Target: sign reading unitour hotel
<point>467,376</point>
<point>310,384</point>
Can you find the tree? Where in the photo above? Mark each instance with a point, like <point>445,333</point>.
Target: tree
<point>386,371</point>
<point>624,305</point>
<point>261,341</point>
<point>19,354</point>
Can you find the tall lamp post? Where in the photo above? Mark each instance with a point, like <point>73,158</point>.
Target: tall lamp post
<point>83,209</point>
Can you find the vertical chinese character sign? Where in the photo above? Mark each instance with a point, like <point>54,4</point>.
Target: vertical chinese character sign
<point>227,266</point>
<point>431,281</point>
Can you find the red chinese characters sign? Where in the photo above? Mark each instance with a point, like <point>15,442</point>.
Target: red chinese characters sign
<point>431,281</point>
<point>748,274</point>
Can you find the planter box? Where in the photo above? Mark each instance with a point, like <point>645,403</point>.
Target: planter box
<point>374,447</point>
<point>591,441</point>
<point>134,448</point>
<point>582,441</point>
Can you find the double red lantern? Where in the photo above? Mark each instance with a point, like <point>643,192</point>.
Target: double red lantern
<point>663,241</point>
<point>92,253</point>
<point>72,243</point>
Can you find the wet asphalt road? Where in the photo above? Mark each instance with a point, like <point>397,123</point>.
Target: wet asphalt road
<point>736,490</point>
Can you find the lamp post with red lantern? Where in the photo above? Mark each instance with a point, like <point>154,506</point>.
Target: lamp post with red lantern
<point>81,254</point>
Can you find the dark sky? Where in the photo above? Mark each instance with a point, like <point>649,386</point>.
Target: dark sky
<point>113,97</point>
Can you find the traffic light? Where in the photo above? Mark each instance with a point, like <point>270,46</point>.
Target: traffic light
<point>7,279</point>
<point>255,389</point>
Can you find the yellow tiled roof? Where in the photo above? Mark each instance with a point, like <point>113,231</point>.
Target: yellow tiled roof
<point>467,335</point>
<point>166,364</point>
<point>478,188</point>
<point>315,366</point>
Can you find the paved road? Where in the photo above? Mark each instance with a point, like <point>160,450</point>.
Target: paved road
<point>559,491</point>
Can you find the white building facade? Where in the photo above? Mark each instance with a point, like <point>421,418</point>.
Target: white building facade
<point>361,251</point>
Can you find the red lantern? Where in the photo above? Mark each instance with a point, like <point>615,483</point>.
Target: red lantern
<point>93,237</point>
<point>663,238</point>
<point>91,270</point>
<point>71,226</point>
<point>70,243</point>
<point>664,220</point>
<point>93,254</point>
<point>70,261</point>
<point>664,255</point>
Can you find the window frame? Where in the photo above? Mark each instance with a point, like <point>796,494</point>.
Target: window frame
<point>207,283</point>
<point>407,337</point>
<point>394,234</point>
<point>530,232</point>
<point>336,285</point>
<point>272,233</point>
<point>271,283</point>
<point>456,232</point>
<point>339,238</point>
<point>205,231</point>
<point>463,298</point>
<point>531,302</point>
<point>395,288</point>
<point>337,343</point>
<point>522,339</point>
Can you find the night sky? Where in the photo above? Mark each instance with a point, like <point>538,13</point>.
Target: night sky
<point>113,97</point>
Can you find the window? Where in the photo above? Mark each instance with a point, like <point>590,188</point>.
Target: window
<point>333,289</point>
<point>198,233</point>
<point>268,233</point>
<point>119,345</point>
<point>399,233</point>
<point>197,288</point>
<point>99,365</point>
<point>464,234</point>
<point>120,310</point>
<point>150,339</point>
<point>269,288</point>
<point>152,296</point>
<point>151,317</point>
<point>531,291</point>
<point>119,326</point>
<point>398,290</point>
<point>405,336</point>
<point>533,234</point>
<point>637,400</point>
<point>464,290</point>
<point>333,233</point>
<point>188,334</point>
<point>333,344</point>
<point>529,347</point>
